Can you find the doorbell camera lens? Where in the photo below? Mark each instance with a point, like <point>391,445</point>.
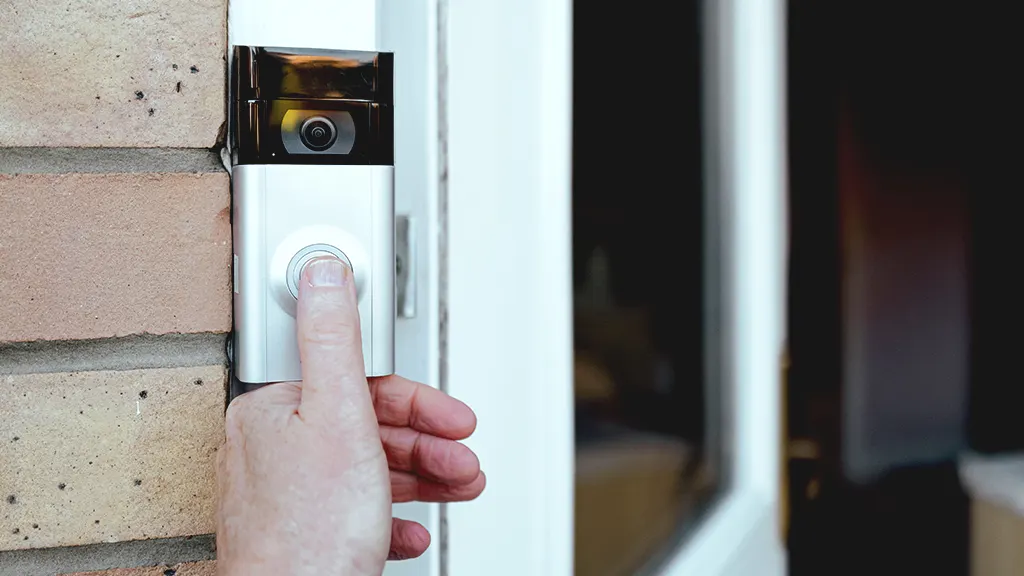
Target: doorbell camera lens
<point>300,106</point>
<point>318,133</point>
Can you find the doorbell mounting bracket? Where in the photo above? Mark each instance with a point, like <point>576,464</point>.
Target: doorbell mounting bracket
<point>312,156</point>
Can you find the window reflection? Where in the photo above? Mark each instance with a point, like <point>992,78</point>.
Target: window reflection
<point>645,403</point>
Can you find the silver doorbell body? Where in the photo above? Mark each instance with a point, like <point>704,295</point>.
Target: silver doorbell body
<point>312,173</point>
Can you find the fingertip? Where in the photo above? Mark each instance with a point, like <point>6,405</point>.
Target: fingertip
<point>408,540</point>
<point>466,492</point>
<point>327,305</point>
<point>464,419</point>
<point>420,537</point>
<point>452,418</point>
<point>464,463</point>
<point>325,271</point>
<point>406,487</point>
<point>474,489</point>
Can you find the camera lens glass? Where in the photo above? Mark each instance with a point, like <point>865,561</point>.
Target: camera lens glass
<point>318,133</point>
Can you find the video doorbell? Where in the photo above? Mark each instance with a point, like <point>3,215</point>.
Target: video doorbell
<point>312,155</point>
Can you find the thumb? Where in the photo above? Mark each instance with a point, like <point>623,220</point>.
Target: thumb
<point>334,389</point>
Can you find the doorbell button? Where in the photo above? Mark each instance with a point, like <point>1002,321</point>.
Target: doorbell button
<point>302,257</point>
<point>291,253</point>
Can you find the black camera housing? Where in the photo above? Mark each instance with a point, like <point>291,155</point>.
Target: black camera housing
<point>278,91</point>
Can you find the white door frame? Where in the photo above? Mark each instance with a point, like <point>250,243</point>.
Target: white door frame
<point>509,279</point>
<point>508,297</point>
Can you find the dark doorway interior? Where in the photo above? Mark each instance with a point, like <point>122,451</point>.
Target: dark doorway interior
<point>930,93</point>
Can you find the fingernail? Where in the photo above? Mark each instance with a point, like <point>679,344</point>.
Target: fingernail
<point>327,272</point>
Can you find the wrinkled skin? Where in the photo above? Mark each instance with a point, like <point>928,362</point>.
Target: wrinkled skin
<point>309,470</point>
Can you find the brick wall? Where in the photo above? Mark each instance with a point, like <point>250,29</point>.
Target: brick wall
<point>115,296</point>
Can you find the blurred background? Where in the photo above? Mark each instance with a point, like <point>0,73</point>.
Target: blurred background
<point>901,401</point>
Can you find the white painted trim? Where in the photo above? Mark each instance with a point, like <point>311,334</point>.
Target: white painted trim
<point>409,29</point>
<point>509,284</point>
<point>329,24</point>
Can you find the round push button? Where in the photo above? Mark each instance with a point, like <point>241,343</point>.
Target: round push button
<point>302,257</point>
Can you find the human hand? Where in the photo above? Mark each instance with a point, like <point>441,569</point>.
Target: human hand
<point>309,470</point>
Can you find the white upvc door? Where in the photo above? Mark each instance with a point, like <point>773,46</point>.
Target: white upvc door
<point>507,298</point>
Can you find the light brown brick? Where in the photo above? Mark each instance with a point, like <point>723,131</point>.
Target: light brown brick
<point>108,456</point>
<point>100,255</point>
<point>102,72</point>
<point>190,569</point>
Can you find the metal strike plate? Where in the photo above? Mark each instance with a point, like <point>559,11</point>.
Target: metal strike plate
<point>405,266</point>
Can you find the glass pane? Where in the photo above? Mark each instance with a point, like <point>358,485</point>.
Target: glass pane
<point>648,438</point>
